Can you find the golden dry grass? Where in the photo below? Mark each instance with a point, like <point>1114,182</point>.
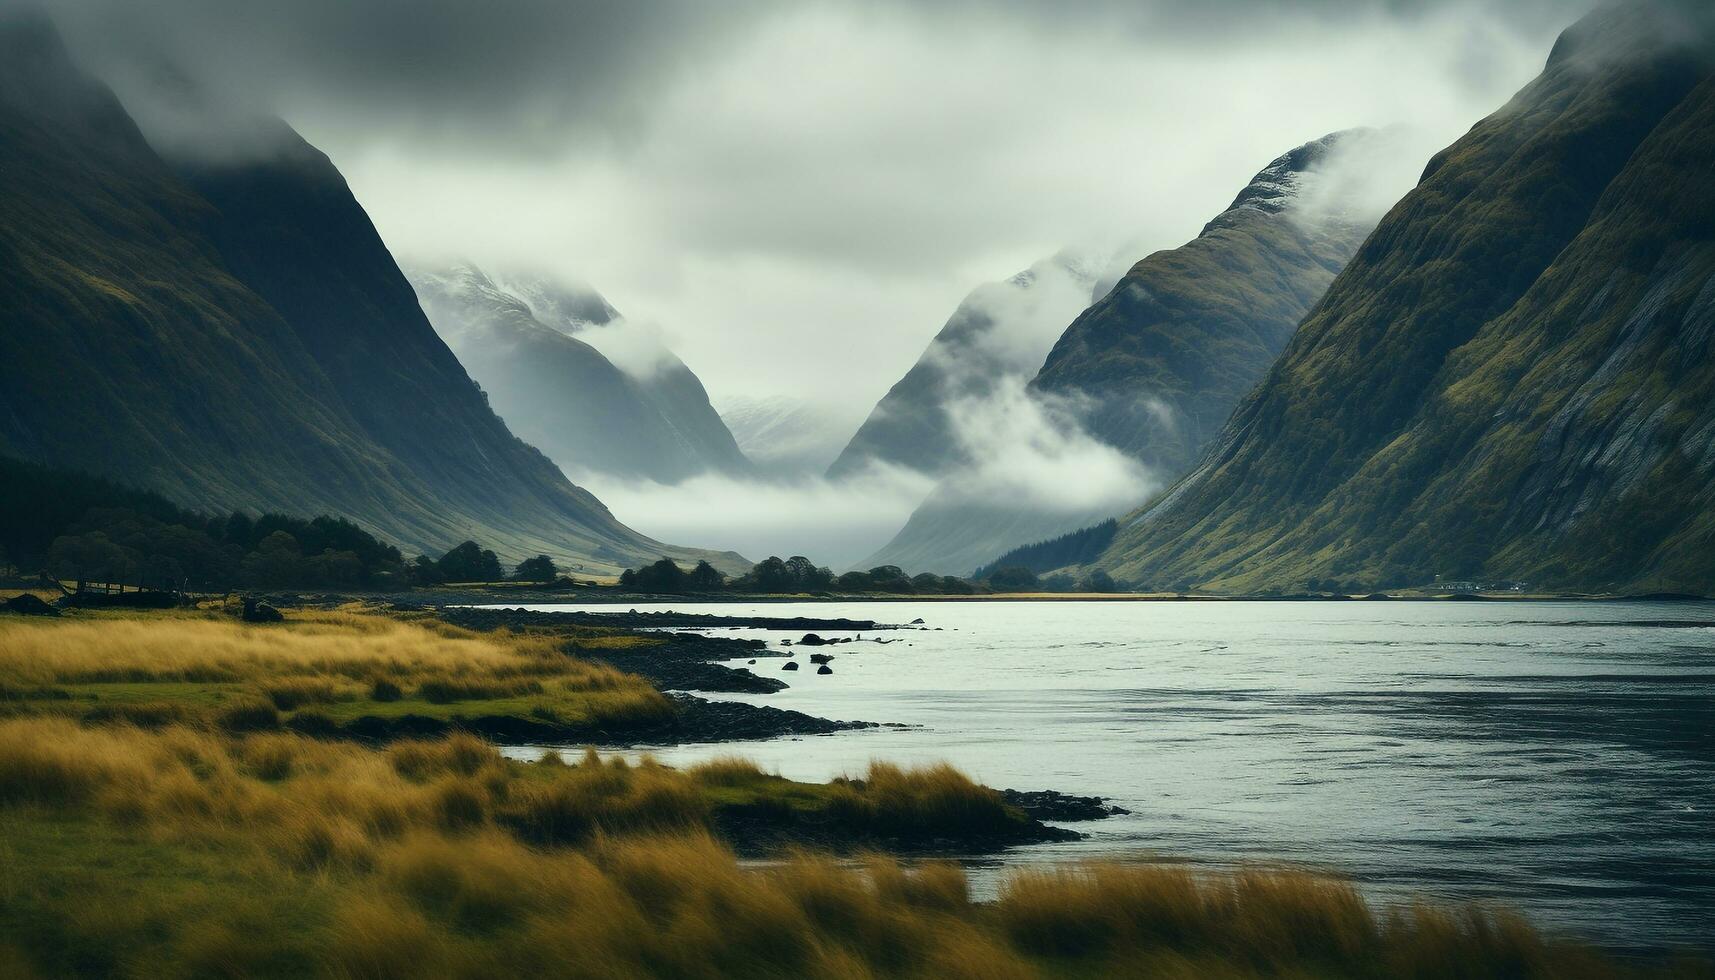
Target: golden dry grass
<point>186,851</point>
<point>161,668</point>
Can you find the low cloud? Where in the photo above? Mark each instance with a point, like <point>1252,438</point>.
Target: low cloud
<point>834,524</point>
<point>1028,449</point>
<point>637,347</point>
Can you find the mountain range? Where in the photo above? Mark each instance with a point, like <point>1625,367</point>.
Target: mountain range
<point>231,331</point>
<point>1511,380</point>
<point>1001,329</point>
<point>526,341</point>
<point>1156,364</point>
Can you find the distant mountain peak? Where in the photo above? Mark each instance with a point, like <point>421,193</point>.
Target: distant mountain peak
<point>1287,178</point>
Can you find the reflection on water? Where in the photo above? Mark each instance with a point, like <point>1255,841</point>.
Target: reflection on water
<point>1555,757</point>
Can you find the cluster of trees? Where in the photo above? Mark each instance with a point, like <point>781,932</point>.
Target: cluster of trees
<point>1018,578</point>
<point>82,528</point>
<point>788,576</point>
<point>1353,587</point>
<point>1075,548</point>
<point>798,574</point>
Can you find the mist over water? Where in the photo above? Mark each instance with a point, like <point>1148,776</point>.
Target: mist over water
<point>833,522</point>
<point>1555,757</point>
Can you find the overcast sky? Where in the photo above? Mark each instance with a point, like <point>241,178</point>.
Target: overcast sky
<point>800,193</point>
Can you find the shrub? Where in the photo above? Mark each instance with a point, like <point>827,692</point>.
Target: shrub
<point>248,716</point>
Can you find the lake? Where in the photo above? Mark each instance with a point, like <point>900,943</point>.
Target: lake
<point>1554,757</point>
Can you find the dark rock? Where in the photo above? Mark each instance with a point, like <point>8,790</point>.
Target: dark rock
<point>916,622</point>
<point>812,640</point>
<point>257,611</point>
<point>688,662</point>
<point>790,665</point>
<point>824,669</point>
<point>496,618</point>
<point>821,658</point>
<point>1049,805</point>
<point>30,605</point>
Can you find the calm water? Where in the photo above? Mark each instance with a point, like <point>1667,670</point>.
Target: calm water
<point>1555,757</point>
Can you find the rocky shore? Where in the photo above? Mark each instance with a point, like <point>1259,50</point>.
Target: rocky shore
<point>632,619</point>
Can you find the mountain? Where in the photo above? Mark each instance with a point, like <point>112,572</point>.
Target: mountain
<point>1512,380</point>
<point>786,436</point>
<point>1000,330</point>
<point>525,343</point>
<point>233,333</point>
<point>1156,364</point>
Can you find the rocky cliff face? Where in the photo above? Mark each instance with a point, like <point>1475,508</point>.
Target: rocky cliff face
<point>1512,378</point>
<point>562,394</point>
<point>235,335</point>
<point>1155,366</point>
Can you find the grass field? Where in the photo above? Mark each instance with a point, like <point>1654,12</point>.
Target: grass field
<point>186,852</point>
<point>317,670</point>
<point>155,820</point>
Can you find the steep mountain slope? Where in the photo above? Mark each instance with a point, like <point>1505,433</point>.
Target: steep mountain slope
<point>236,335</point>
<point>1512,378</point>
<point>1156,365</point>
<point>562,395</point>
<point>1000,330</point>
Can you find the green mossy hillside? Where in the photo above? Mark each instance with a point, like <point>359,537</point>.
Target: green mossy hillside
<point>1512,380</point>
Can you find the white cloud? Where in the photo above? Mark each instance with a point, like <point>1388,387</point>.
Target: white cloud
<point>801,209</point>
<point>832,523</point>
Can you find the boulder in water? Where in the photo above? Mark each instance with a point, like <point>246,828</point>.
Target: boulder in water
<point>812,640</point>
<point>821,658</point>
<point>790,665</point>
<point>824,669</point>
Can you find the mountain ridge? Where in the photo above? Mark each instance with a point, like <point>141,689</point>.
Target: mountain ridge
<point>562,394</point>
<point>1154,367</point>
<point>1504,295</point>
<point>138,343</point>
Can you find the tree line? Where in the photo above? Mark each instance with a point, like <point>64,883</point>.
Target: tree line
<point>798,575</point>
<point>82,528</point>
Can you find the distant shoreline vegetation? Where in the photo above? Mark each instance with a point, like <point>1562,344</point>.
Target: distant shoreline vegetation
<point>799,576</point>
<point>75,527</point>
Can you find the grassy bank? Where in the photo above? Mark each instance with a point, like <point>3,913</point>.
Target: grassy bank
<point>180,851</point>
<point>174,801</point>
<point>319,671</point>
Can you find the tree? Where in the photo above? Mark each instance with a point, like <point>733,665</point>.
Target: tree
<point>771,575</point>
<point>705,578</point>
<point>424,571</point>
<point>275,563</point>
<point>538,569</point>
<point>470,563</point>
<point>852,582</point>
<point>665,576</point>
<point>954,585</point>
<point>1014,579</point>
<point>1100,581</point>
<point>90,557</point>
<point>889,578</point>
<point>927,583</point>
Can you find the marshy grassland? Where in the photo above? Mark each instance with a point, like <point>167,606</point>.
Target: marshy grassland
<point>160,816</point>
